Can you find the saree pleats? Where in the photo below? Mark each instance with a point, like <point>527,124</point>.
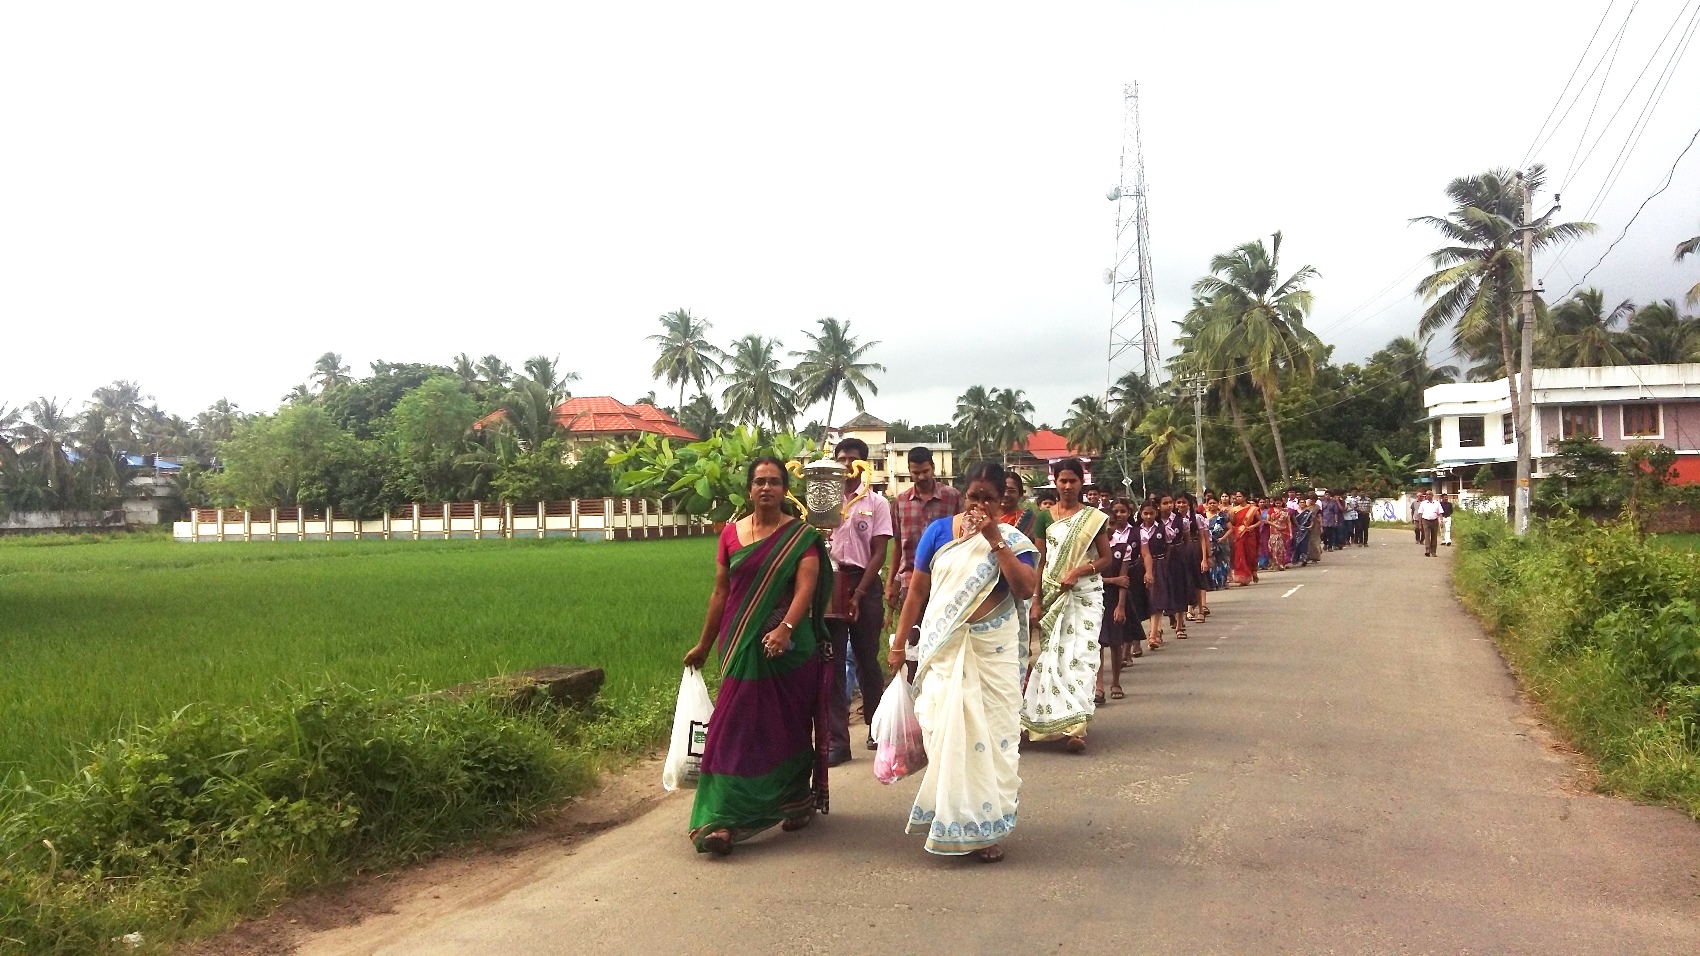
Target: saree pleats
<point>968,701</point>
<point>969,709</point>
<point>1057,701</point>
<point>764,758</point>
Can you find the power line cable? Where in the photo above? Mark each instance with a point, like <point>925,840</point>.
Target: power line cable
<point>1616,44</point>
<point>1639,129</point>
<point>1667,77</point>
<point>1631,92</point>
<point>1573,71</point>
<point>1669,175</point>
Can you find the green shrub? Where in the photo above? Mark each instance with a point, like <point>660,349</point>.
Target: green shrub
<point>1604,630</point>
<point>182,826</point>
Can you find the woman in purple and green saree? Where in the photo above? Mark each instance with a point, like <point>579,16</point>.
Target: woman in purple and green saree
<point>764,758</point>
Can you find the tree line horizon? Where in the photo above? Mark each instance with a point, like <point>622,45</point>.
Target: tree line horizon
<point>1271,393</point>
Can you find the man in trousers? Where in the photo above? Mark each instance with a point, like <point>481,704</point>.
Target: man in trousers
<point>854,617</point>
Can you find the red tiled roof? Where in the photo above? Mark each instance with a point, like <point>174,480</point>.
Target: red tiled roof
<point>1044,444</point>
<point>603,415</point>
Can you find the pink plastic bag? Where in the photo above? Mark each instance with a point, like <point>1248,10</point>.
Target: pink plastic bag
<point>897,734</point>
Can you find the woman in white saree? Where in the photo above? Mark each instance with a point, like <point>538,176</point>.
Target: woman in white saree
<point>971,573</point>
<point>1058,700</point>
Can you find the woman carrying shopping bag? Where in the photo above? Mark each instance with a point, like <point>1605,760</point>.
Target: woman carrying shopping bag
<point>971,575</point>
<point>764,759</point>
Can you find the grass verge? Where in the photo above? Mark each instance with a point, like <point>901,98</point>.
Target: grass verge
<point>1603,630</point>
<point>166,772</point>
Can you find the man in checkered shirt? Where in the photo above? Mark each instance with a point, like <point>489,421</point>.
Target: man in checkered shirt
<point>919,505</point>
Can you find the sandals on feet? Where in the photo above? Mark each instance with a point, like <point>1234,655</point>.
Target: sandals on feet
<point>1116,692</point>
<point>991,854</point>
<point>1098,698</point>
<point>1075,745</point>
<point>718,843</point>
<point>794,824</point>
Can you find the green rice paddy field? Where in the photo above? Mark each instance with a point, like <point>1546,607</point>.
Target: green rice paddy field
<point>96,634</point>
<point>1682,540</point>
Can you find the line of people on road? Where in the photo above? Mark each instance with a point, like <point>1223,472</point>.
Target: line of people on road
<point>1014,622</point>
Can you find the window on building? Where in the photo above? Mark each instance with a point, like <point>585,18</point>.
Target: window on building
<point>1641,421</point>
<point>1434,434</point>
<point>1507,429</point>
<point>1579,421</point>
<point>1472,431</point>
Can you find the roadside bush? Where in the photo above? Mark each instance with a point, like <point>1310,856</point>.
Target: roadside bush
<point>182,826</point>
<point>1604,629</point>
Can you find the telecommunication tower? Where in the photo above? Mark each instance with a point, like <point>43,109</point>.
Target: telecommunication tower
<point>1133,301</point>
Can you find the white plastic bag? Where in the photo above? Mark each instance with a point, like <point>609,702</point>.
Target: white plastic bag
<point>690,730</point>
<point>897,734</point>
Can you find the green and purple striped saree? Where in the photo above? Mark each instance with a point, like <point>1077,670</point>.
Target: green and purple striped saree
<point>764,760</point>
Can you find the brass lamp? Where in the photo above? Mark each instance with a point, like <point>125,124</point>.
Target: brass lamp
<point>823,490</point>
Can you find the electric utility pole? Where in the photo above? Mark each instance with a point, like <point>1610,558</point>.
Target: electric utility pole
<point>1525,379</point>
<point>1198,431</point>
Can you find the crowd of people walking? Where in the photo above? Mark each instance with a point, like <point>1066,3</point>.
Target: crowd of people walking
<point>1015,619</point>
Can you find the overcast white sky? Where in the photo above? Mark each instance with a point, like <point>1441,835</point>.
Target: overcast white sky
<point>205,197</point>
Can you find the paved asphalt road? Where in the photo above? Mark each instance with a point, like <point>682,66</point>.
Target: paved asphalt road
<point>1344,768</point>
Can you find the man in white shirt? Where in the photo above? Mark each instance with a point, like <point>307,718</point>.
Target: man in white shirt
<point>1428,519</point>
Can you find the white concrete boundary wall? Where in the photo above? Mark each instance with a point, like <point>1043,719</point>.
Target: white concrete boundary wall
<point>591,519</point>
<point>1399,509</point>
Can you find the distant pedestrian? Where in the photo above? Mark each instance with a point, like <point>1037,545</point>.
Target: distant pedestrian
<point>1303,531</point>
<point>1245,520</point>
<point>1331,515</point>
<point>1349,520</point>
<point>1315,529</point>
<point>1445,520</point>
<point>1428,517</point>
<point>1280,537</point>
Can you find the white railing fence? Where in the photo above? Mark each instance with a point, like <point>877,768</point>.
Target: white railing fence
<point>590,519</point>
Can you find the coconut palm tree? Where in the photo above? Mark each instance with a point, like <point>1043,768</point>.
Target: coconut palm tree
<point>1011,420</point>
<point>329,372</point>
<point>44,440</point>
<point>755,391</point>
<point>1584,334</point>
<point>1408,360</point>
<point>1662,336</point>
<point>701,417</point>
<point>686,356</point>
<point>494,373</point>
<point>1130,398</point>
<point>1684,249</point>
<point>1479,273</point>
<point>1205,357</point>
<point>467,372</point>
<point>120,406</point>
<point>218,423</point>
<point>1087,426</point>
<point>833,363</point>
<point>1169,447</point>
<point>528,414</point>
<point>1259,321</point>
<point>973,422</point>
<point>547,374</point>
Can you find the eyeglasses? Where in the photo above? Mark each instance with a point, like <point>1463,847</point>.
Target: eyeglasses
<point>767,483</point>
